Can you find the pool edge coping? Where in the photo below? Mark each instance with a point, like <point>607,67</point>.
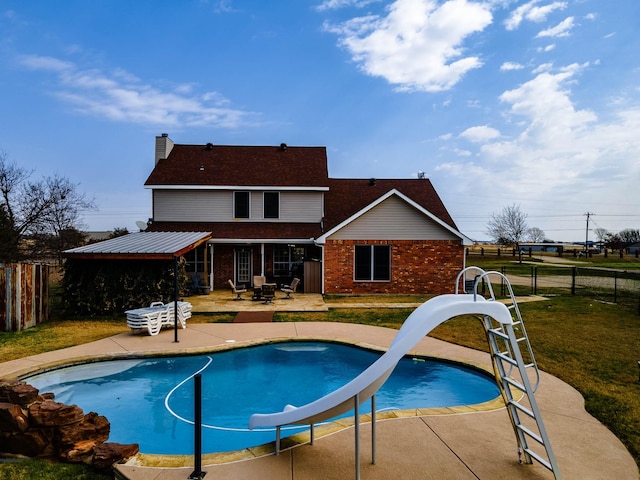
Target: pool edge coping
<point>176,461</point>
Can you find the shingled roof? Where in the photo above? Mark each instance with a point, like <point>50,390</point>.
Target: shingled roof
<point>348,196</point>
<point>225,165</point>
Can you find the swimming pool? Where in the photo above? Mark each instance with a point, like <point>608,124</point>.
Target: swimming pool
<point>150,401</point>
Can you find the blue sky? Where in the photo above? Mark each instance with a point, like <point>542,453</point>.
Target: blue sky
<point>530,103</point>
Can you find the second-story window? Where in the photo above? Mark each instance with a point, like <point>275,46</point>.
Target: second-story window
<point>271,205</point>
<point>240,204</point>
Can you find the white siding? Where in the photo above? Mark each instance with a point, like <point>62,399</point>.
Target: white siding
<point>217,206</point>
<point>393,219</point>
<point>301,206</point>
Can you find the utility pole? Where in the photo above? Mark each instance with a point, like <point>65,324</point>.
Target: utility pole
<point>586,240</point>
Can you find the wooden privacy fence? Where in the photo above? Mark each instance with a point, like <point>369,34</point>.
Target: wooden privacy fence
<point>24,296</point>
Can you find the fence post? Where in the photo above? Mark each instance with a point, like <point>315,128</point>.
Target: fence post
<point>9,299</point>
<point>573,280</point>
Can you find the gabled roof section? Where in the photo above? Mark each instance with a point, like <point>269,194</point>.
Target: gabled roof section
<point>142,246</point>
<point>349,199</point>
<point>348,196</point>
<point>213,166</point>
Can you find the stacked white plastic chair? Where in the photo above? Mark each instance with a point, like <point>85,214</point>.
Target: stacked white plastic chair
<point>156,316</point>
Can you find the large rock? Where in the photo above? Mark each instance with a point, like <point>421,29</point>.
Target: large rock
<point>53,414</point>
<point>23,394</point>
<point>75,441</point>
<point>32,443</point>
<point>108,454</point>
<point>12,418</point>
<point>15,391</point>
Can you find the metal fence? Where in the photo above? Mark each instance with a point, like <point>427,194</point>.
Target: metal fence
<point>606,285</point>
<point>24,296</point>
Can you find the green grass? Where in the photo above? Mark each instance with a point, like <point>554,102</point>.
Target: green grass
<point>44,470</point>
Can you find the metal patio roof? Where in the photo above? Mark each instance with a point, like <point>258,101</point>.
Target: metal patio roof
<point>141,246</point>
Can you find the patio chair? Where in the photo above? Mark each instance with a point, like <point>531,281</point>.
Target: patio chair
<point>237,291</point>
<point>258,281</point>
<point>268,292</point>
<point>196,285</point>
<point>289,289</point>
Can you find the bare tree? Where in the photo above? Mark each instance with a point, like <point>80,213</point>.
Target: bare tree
<point>508,226</point>
<point>601,233</point>
<point>629,236</point>
<point>34,209</point>
<point>535,234</point>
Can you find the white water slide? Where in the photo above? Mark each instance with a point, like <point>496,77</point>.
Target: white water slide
<point>421,321</point>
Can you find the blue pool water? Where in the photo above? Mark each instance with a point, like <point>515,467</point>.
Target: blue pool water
<point>150,401</point>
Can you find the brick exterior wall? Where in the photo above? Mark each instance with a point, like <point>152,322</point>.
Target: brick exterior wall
<point>417,267</point>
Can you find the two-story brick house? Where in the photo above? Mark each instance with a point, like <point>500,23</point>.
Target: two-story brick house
<point>274,211</point>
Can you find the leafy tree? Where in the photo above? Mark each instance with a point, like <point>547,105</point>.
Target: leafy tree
<point>509,226</point>
<point>535,234</point>
<point>34,210</point>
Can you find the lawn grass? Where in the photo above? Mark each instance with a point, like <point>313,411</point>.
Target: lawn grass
<point>32,469</point>
<point>591,345</point>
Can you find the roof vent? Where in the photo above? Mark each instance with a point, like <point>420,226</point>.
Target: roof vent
<point>209,146</point>
<point>372,182</point>
<point>283,147</point>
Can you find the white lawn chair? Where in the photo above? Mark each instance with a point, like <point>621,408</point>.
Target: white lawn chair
<point>156,316</point>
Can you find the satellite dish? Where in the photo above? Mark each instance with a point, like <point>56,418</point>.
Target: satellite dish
<point>141,225</point>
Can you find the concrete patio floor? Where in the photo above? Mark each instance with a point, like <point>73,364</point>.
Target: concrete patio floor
<point>457,443</point>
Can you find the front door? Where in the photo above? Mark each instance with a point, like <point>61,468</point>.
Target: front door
<point>243,267</point>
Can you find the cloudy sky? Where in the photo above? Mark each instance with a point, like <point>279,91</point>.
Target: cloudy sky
<point>499,102</point>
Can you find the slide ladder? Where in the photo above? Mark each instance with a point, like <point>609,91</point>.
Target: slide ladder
<point>517,375</point>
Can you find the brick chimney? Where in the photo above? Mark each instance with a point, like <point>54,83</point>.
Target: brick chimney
<point>164,145</point>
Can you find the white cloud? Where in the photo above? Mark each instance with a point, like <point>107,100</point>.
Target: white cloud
<point>546,48</point>
<point>336,4</point>
<point>418,45</point>
<point>529,11</point>
<point>508,66</point>
<point>543,67</point>
<point>480,134</point>
<point>563,29</point>
<point>462,153</point>
<point>557,150</point>
<point>36,62</point>
<point>121,96</point>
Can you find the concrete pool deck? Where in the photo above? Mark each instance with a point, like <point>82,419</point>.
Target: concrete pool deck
<point>452,444</point>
